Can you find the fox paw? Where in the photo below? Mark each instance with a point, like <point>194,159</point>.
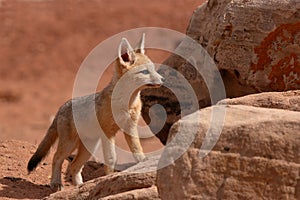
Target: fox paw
<point>145,159</point>
<point>139,157</point>
<point>56,187</point>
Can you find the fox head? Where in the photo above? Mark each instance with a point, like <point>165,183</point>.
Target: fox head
<point>135,62</point>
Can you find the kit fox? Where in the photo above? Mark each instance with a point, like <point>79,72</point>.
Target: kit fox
<point>138,68</point>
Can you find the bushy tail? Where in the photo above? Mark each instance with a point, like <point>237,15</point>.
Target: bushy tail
<point>44,146</point>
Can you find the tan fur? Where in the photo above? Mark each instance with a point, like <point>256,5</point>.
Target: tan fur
<point>63,126</point>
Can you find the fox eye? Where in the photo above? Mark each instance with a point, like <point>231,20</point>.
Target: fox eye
<point>146,71</point>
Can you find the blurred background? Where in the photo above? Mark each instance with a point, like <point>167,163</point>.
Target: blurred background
<point>43,43</point>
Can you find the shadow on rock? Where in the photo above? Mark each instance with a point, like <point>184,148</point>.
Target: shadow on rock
<point>19,188</point>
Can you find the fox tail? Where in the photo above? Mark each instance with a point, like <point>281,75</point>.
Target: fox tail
<point>44,146</point>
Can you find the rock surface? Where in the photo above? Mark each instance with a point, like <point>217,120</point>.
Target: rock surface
<point>257,156</point>
<point>130,184</point>
<point>254,44</point>
<point>289,100</point>
<point>138,194</point>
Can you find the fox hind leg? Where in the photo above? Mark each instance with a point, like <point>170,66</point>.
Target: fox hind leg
<point>77,164</point>
<point>62,152</point>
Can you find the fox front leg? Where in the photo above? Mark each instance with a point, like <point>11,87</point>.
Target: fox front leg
<point>109,152</point>
<point>134,144</point>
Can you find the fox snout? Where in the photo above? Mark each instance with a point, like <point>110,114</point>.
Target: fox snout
<point>157,81</point>
<point>161,80</point>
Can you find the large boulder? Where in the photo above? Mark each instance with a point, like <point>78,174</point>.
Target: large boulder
<point>254,44</point>
<point>257,156</point>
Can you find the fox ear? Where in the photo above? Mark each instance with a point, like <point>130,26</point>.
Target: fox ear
<point>126,53</point>
<point>141,46</point>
